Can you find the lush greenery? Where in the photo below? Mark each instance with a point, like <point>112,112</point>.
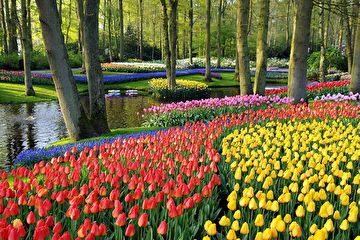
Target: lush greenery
<point>335,60</point>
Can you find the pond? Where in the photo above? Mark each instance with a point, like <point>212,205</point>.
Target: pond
<point>34,125</point>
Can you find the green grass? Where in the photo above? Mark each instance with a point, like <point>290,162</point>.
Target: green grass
<point>114,132</point>
<point>15,93</point>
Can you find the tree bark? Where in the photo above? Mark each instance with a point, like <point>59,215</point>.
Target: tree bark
<point>60,11</point>
<point>355,74</point>
<point>26,49</point>
<point>141,38</point>
<point>76,122</point>
<point>121,26</point>
<point>220,12</point>
<point>191,26</point>
<point>4,27</point>
<point>109,16</point>
<point>93,67</point>
<point>80,12</point>
<point>349,50</point>
<point>69,23</point>
<point>242,46</point>
<point>166,44</point>
<point>287,32</point>
<point>323,63</point>
<point>13,46</point>
<point>173,31</point>
<point>341,33</point>
<point>261,48</point>
<point>299,50</point>
<point>207,42</point>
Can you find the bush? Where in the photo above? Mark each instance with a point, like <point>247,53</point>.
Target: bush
<point>334,57</point>
<point>39,61</point>
<point>75,59</point>
<point>10,61</point>
<point>184,89</point>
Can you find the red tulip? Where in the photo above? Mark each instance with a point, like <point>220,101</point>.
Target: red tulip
<point>121,220</point>
<point>162,228</point>
<point>30,219</point>
<point>143,220</point>
<point>134,212</point>
<point>50,221</point>
<point>130,230</point>
<point>81,231</point>
<point>102,229</point>
<point>57,228</point>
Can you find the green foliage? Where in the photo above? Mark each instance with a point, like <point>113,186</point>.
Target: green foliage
<point>75,59</point>
<point>10,61</point>
<point>39,61</point>
<point>334,58</point>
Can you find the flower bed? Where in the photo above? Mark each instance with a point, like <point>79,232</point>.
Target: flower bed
<point>317,89</point>
<point>18,77</point>
<point>177,114</point>
<point>131,68</point>
<point>184,89</point>
<point>161,186</point>
<point>292,179</point>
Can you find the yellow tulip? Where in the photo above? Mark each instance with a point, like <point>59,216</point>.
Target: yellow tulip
<point>244,201</point>
<point>235,225</point>
<point>237,214</point>
<point>231,205</point>
<point>329,225</point>
<point>259,236</point>
<point>236,187</point>
<point>344,225</point>
<point>311,207</point>
<point>244,228</point>
<point>275,206</point>
<point>287,218</point>
<point>206,238</point>
<point>224,221</point>
<point>259,220</point>
<point>252,204</point>
<point>337,215</point>
<point>270,195</point>
<point>207,224</point>
<point>231,235</point>
<point>267,235</point>
<point>313,228</point>
<point>300,211</point>
<point>280,226</point>
<point>353,215</point>
<point>211,229</point>
<point>344,199</point>
<point>296,230</point>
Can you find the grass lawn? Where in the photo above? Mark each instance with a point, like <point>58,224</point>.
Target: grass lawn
<point>114,132</point>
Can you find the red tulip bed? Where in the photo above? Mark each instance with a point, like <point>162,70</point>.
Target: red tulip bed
<point>160,187</point>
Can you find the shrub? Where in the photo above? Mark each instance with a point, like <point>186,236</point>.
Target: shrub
<point>75,59</point>
<point>184,89</point>
<point>334,57</point>
<point>10,61</point>
<point>39,61</point>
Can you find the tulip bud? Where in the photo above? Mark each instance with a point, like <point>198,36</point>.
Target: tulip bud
<point>162,228</point>
<point>130,230</point>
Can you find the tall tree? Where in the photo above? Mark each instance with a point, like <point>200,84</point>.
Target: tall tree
<point>299,50</point>
<point>69,22</point>
<point>121,27</point>
<point>242,46</point>
<point>349,49</point>
<point>93,67</point>
<point>355,73</point>
<point>170,39</point>
<point>4,27</point>
<point>261,55</point>
<point>218,37</point>
<point>324,24</point>
<point>208,42</point>
<point>191,26</point>
<point>13,46</point>
<point>109,17</point>
<point>26,48</point>
<point>141,34</point>
<point>76,121</point>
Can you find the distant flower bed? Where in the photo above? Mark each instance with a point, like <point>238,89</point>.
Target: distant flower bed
<point>317,89</point>
<point>131,68</point>
<point>177,114</point>
<point>18,77</point>
<point>184,89</point>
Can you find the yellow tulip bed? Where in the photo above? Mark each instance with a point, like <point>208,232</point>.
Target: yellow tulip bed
<point>291,179</point>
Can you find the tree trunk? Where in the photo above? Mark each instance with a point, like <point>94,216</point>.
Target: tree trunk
<point>60,11</point>
<point>141,11</point>
<point>261,51</point>
<point>26,49</point>
<point>220,10</point>
<point>191,25</point>
<point>341,33</point>
<point>166,45</point>
<point>355,74</point>
<point>104,26</point>
<point>109,29</point>
<point>80,11</point>
<point>69,23</point>
<point>323,63</point>
<point>349,50</point>
<point>184,50</point>
<point>242,46</point>
<point>121,26</point>
<point>29,22</point>
<point>236,75</point>
<point>93,67</point>
<point>207,43</point>
<point>76,122</point>
<point>173,31</point>
<point>13,46</point>
<point>299,50</point>
<point>4,27</point>
<point>287,32</point>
